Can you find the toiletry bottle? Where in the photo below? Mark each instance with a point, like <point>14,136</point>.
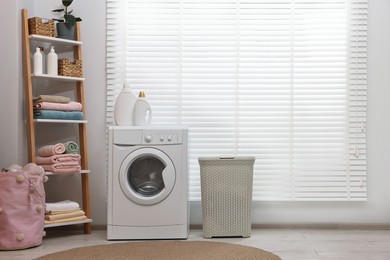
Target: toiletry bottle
<point>52,62</point>
<point>43,60</point>
<point>37,61</point>
<point>142,110</point>
<point>124,106</point>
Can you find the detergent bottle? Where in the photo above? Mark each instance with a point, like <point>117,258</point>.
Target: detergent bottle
<point>142,110</point>
<point>124,106</point>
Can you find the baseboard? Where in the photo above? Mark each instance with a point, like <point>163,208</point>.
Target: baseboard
<point>361,226</point>
<point>356,226</point>
<point>342,226</point>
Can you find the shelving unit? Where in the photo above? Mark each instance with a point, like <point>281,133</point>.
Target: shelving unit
<point>29,42</point>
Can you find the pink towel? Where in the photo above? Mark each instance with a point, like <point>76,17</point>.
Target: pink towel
<point>64,167</point>
<point>71,106</point>
<point>49,150</point>
<point>57,158</point>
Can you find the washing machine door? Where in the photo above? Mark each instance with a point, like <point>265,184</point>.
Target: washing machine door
<point>147,176</point>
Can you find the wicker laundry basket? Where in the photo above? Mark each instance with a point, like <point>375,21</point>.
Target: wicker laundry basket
<point>226,189</point>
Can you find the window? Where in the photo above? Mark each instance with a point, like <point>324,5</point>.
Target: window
<point>284,81</point>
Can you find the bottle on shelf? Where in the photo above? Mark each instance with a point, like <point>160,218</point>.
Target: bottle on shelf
<point>142,110</point>
<point>38,61</point>
<point>42,49</point>
<point>124,106</point>
<point>52,62</point>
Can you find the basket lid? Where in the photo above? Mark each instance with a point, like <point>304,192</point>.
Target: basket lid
<point>227,158</point>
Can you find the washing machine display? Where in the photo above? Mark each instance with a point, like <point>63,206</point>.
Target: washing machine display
<point>147,176</point>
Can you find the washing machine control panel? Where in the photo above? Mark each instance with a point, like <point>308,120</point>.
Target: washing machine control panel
<point>162,137</point>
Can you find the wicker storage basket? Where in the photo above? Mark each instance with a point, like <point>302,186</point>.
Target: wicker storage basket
<point>37,26</point>
<point>226,189</point>
<point>70,68</point>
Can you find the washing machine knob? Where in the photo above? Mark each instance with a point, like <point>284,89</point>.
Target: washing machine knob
<point>148,138</point>
<point>161,138</point>
<point>169,138</point>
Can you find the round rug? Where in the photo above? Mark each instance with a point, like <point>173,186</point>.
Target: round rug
<point>164,250</point>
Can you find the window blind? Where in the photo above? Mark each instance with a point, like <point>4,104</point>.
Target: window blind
<point>284,81</point>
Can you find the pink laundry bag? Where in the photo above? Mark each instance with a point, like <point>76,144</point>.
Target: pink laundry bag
<point>22,206</point>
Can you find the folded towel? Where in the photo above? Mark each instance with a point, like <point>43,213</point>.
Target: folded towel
<point>62,205</point>
<point>57,212</point>
<point>71,106</point>
<point>51,98</point>
<point>66,220</point>
<point>52,149</point>
<point>57,114</point>
<point>63,167</point>
<point>71,147</point>
<point>77,213</point>
<point>57,158</point>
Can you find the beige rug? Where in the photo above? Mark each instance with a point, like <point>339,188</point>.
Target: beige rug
<point>164,250</point>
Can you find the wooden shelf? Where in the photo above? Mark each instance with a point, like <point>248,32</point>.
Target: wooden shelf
<point>61,45</point>
<point>61,121</point>
<point>68,223</point>
<point>59,78</point>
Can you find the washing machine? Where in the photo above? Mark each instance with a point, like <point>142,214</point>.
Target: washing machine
<point>147,183</point>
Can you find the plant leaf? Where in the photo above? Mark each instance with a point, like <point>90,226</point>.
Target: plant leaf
<point>78,19</point>
<point>67,2</point>
<point>70,19</point>
<point>58,10</point>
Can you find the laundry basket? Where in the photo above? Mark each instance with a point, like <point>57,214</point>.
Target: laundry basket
<point>226,189</point>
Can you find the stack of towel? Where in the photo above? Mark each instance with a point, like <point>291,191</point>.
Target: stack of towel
<point>59,158</point>
<point>56,107</point>
<point>63,211</point>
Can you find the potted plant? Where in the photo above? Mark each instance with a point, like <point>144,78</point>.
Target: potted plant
<point>65,27</point>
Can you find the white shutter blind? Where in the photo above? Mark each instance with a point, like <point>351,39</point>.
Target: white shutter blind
<point>357,97</point>
<point>116,53</point>
<point>284,81</point>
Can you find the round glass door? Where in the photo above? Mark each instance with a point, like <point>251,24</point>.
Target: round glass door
<point>147,176</point>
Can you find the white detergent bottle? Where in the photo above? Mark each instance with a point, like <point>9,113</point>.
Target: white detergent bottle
<point>142,111</point>
<point>52,62</point>
<point>38,61</point>
<point>124,106</point>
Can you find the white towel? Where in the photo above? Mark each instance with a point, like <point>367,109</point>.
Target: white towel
<point>62,205</point>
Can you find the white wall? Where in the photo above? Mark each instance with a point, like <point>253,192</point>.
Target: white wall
<point>10,93</point>
<point>375,211</point>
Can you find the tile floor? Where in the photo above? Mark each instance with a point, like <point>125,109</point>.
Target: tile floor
<point>289,244</point>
